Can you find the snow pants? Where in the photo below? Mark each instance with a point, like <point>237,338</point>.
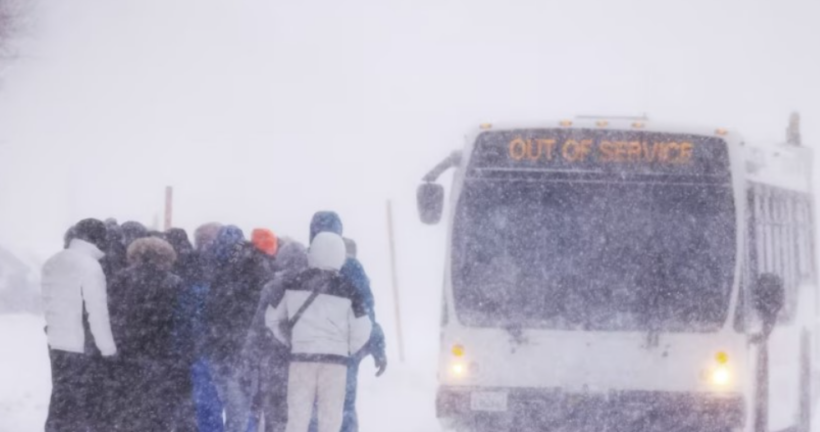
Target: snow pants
<point>206,399</point>
<point>272,398</point>
<point>235,394</point>
<point>350,420</point>
<point>72,384</point>
<point>182,397</point>
<point>321,382</point>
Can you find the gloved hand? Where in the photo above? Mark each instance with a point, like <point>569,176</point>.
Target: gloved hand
<point>380,359</point>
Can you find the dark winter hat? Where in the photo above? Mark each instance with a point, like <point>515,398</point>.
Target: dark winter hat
<point>114,232</point>
<point>92,231</point>
<point>132,231</point>
<point>325,221</point>
<point>292,257</point>
<point>178,239</point>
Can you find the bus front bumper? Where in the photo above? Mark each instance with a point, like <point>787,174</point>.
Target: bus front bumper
<point>545,409</point>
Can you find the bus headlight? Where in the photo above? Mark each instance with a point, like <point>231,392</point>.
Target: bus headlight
<point>720,376</point>
<point>458,369</point>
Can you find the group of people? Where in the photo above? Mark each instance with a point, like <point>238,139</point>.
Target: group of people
<point>149,332</point>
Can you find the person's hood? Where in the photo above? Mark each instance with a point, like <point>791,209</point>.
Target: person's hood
<point>86,248</point>
<point>152,251</point>
<point>265,240</point>
<point>92,231</point>
<point>113,235</point>
<point>178,239</point>
<point>205,235</point>
<point>325,221</point>
<point>327,252</point>
<point>70,234</point>
<point>292,257</point>
<point>132,231</point>
<point>228,243</point>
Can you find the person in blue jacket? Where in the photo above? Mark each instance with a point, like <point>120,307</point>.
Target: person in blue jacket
<point>195,267</point>
<point>327,221</point>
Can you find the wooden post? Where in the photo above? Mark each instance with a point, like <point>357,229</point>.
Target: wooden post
<point>169,207</point>
<point>393,270</point>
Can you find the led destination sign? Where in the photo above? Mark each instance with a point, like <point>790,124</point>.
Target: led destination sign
<point>602,151</point>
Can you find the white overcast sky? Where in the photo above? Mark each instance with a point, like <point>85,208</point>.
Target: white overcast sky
<point>260,112</point>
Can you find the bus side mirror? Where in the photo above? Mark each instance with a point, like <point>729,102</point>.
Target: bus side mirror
<point>769,297</point>
<point>430,200</point>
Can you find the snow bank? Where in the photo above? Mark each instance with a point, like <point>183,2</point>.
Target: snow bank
<point>25,377</point>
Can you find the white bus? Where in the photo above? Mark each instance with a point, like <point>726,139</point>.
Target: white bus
<point>619,275</point>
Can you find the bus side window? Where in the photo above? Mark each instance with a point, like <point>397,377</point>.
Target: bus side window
<point>804,233</point>
<point>779,241</point>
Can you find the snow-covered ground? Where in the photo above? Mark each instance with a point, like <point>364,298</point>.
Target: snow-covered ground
<point>25,381</point>
<point>400,401</point>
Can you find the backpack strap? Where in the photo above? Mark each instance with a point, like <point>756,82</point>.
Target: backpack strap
<point>300,279</point>
<point>295,318</point>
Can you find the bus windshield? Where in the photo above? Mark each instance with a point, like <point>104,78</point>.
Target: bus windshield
<point>593,255</point>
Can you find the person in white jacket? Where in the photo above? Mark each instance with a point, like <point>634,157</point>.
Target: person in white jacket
<point>75,304</point>
<point>323,321</point>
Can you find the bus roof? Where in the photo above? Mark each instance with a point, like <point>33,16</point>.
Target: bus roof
<point>616,123</point>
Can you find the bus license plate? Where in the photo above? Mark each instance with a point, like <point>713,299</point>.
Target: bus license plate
<point>488,401</point>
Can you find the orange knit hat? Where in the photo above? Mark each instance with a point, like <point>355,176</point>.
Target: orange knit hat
<point>265,240</point>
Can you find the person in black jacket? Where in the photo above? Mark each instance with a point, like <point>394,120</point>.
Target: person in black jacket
<point>143,300</point>
<point>188,268</point>
<point>229,310</point>
<point>114,260</point>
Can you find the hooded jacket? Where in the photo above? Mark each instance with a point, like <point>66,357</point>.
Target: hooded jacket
<point>353,271</point>
<point>143,301</point>
<point>132,231</point>
<point>335,325</point>
<point>115,251</point>
<point>73,282</point>
<point>233,295</point>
